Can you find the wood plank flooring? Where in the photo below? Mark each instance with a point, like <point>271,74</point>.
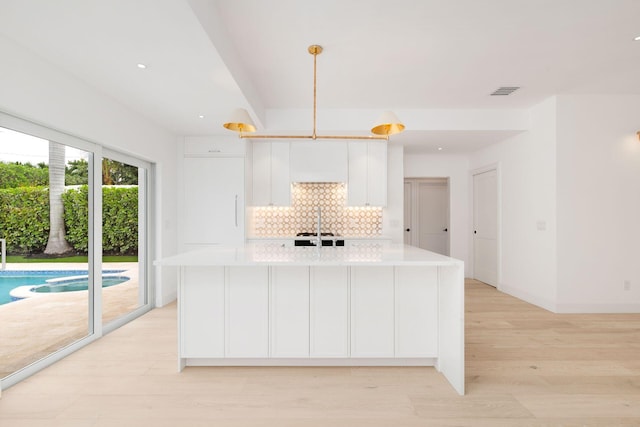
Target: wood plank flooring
<point>525,367</point>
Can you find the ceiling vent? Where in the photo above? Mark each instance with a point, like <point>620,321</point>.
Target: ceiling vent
<point>505,90</point>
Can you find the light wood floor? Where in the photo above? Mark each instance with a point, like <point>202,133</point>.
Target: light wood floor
<point>525,367</point>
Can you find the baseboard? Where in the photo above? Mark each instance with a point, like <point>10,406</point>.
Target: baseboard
<point>597,308</point>
<point>527,297</point>
<point>166,299</point>
<point>607,308</point>
<point>418,361</point>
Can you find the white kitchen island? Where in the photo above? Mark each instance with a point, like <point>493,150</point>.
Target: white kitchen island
<point>363,305</point>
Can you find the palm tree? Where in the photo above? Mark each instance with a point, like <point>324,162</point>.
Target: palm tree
<point>57,243</point>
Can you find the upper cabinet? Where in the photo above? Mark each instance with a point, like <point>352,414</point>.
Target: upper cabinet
<point>367,185</point>
<point>271,183</point>
<point>196,146</point>
<point>319,161</point>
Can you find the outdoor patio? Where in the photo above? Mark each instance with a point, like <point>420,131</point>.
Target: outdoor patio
<point>35,327</point>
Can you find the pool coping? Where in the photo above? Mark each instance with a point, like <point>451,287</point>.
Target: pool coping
<point>26,291</point>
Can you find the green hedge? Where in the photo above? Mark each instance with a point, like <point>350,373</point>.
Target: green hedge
<point>24,219</point>
<point>119,219</point>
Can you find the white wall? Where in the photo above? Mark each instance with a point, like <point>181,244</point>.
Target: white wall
<point>527,194</point>
<point>37,91</point>
<point>598,203</point>
<point>456,168</point>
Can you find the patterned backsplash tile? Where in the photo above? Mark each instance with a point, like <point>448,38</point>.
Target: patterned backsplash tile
<point>302,215</point>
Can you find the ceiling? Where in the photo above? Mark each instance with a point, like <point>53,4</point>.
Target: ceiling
<point>206,57</point>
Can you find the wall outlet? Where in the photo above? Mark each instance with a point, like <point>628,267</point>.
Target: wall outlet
<point>627,285</point>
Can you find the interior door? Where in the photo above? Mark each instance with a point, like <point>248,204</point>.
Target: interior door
<point>485,227</point>
<point>433,215</point>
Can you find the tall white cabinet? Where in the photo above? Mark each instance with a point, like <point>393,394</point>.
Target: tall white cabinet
<point>271,183</point>
<point>213,192</point>
<point>367,185</point>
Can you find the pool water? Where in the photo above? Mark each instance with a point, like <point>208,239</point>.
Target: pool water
<point>78,285</point>
<point>13,279</point>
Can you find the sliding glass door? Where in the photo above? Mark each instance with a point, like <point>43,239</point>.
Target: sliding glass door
<point>74,216</point>
<point>124,189</point>
<point>45,303</point>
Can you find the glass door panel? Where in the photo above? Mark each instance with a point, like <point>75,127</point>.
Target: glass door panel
<point>124,287</point>
<point>44,218</point>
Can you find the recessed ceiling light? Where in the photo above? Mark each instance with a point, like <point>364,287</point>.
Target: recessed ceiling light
<point>142,66</point>
<point>201,116</point>
<point>439,148</point>
<point>637,38</point>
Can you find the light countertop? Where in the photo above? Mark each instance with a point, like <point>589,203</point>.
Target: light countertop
<point>279,254</point>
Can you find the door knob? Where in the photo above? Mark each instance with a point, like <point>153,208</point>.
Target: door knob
<point>445,229</point>
<point>408,229</point>
<point>475,232</point>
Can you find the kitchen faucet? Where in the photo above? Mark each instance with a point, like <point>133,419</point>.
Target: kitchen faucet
<point>318,240</point>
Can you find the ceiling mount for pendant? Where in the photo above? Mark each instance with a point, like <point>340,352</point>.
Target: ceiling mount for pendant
<point>387,124</point>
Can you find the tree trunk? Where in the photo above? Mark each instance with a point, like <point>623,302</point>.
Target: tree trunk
<point>57,244</point>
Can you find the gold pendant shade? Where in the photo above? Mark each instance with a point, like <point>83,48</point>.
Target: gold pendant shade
<point>387,124</point>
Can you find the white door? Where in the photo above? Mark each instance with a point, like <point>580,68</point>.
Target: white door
<point>426,214</point>
<point>433,216</point>
<point>214,200</point>
<point>485,227</point>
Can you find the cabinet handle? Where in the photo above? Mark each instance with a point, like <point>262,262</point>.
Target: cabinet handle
<point>236,208</point>
<point>214,151</point>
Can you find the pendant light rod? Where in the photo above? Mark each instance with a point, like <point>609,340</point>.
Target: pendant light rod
<point>315,50</point>
<point>387,124</point>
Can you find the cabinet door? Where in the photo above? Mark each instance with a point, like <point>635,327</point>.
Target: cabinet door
<point>261,174</point>
<point>372,312</point>
<point>280,176</point>
<point>207,146</point>
<point>357,185</point>
<point>247,311</point>
<point>202,312</point>
<point>289,312</point>
<point>367,174</point>
<point>416,300</point>
<point>329,317</point>
<point>213,200</point>
<point>377,174</point>
<point>317,161</point>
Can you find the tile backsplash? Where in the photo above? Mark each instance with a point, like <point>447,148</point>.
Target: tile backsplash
<point>301,216</point>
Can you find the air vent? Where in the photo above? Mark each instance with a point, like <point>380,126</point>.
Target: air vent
<point>505,90</point>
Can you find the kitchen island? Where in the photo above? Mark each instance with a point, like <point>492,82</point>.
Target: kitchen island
<point>272,304</point>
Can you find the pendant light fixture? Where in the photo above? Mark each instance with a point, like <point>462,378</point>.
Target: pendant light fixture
<point>387,124</point>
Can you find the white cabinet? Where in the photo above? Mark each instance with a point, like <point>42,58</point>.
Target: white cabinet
<point>289,313</point>
<point>202,146</point>
<point>372,311</point>
<point>271,183</point>
<point>416,311</point>
<point>367,184</point>
<point>202,312</point>
<point>247,312</point>
<point>329,317</point>
<point>213,200</point>
<point>319,161</point>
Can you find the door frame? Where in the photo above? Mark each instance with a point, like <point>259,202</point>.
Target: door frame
<point>414,206</point>
<point>472,257</point>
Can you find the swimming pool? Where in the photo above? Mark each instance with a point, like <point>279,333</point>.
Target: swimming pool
<point>13,279</point>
